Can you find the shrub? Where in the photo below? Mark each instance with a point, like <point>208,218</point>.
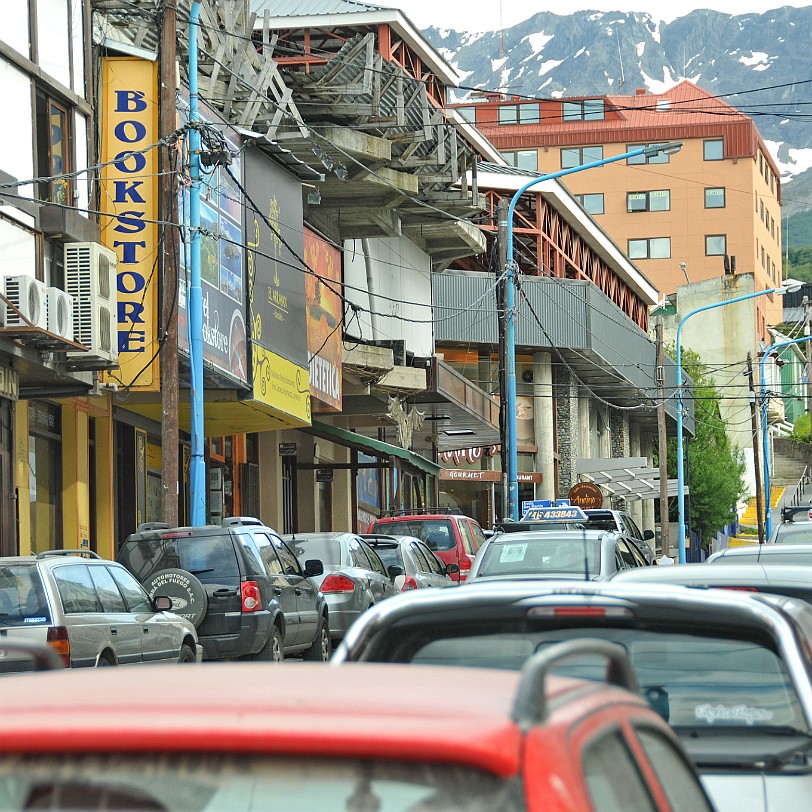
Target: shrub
<point>802,429</point>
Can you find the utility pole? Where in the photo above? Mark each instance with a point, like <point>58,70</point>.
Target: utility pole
<point>808,357</point>
<point>501,299</point>
<point>662,453</point>
<point>169,271</point>
<point>754,423</point>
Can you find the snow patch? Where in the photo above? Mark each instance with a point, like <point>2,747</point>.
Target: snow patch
<point>798,160</point>
<point>657,86</point>
<point>556,94</point>
<point>784,121</point>
<point>640,47</point>
<point>538,41</point>
<point>755,58</point>
<point>579,52</point>
<point>655,32</point>
<point>547,66</point>
<point>470,39</point>
<point>546,82</point>
<point>596,16</point>
<point>496,64</point>
<point>444,33</point>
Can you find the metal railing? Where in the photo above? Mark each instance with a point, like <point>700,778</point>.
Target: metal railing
<point>800,489</point>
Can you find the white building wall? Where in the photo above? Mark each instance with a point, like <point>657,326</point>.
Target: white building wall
<point>17,142</point>
<point>53,40</point>
<point>15,26</point>
<point>402,286</point>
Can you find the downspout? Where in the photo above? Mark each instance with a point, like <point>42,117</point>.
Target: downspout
<point>373,310</point>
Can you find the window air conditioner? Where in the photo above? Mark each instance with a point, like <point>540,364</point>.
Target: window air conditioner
<point>28,296</point>
<point>59,310</point>
<point>90,279</point>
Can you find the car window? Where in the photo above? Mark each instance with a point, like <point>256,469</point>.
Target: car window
<point>252,557</point>
<point>435,564</point>
<point>422,562</point>
<point>479,536</point>
<point>547,555</point>
<point>210,558</point>
<point>134,596</point>
<point>358,555</point>
<point>437,533</point>
<point>467,537</point>
<point>626,554</point>
<point>76,589</point>
<point>678,780</point>
<point>613,779</point>
<point>639,558</point>
<point>268,554</point>
<point>389,552</point>
<point>377,563</point>
<point>107,590</point>
<point>22,596</point>
<point>631,527</point>
<point>327,550</point>
<point>290,564</point>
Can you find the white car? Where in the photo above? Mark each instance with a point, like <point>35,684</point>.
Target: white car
<point>421,567</point>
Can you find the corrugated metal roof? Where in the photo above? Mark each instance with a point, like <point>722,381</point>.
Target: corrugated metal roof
<point>504,169</point>
<point>303,8</point>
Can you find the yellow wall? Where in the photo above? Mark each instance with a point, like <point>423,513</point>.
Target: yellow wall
<point>21,475</point>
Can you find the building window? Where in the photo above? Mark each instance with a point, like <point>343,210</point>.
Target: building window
<point>651,248</point>
<point>53,150</point>
<point>592,203</point>
<point>763,257</point>
<point>658,158</point>
<point>772,182</point>
<point>468,113</point>
<point>519,114</point>
<point>760,163</point>
<point>587,110</point>
<point>523,159</point>
<point>714,150</point>
<point>715,245</point>
<point>715,198</point>
<point>578,156</point>
<point>649,201</point>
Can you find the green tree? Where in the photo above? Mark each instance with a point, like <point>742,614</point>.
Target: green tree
<point>715,466</point>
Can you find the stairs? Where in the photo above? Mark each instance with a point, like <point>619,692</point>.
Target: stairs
<point>750,516</point>
<point>785,474</point>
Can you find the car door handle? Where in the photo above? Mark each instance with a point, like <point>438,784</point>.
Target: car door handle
<point>113,631</point>
<point>146,630</point>
<point>224,593</point>
<point>297,590</point>
<point>277,590</point>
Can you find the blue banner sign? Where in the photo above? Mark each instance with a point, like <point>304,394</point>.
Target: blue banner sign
<point>543,503</point>
<point>555,513</point>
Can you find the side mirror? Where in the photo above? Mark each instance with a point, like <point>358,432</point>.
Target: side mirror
<point>313,567</point>
<point>394,571</point>
<point>452,568</point>
<point>163,603</point>
<point>648,535</point>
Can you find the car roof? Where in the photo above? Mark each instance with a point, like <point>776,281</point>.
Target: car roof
<point>313,709</point>
<point>757,574</point>
<point>763,549</point>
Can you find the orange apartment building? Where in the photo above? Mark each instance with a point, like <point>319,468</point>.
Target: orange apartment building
<point>719,196</point>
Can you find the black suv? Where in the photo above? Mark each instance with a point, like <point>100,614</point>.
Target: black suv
<point>239,583</point>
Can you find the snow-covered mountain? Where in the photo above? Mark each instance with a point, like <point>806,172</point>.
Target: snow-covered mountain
<point>760,63</point>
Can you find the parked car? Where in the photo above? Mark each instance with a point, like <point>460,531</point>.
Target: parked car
<point>358,738</point>
<point>621,522</point>
<point>354,577</point>
<point>239,583</point>
<point>580,554</point>
<point>91,611</point>
<point>454,537</point>
<point>422,568</point>
<point>727,669</point>
<point>787,554</point>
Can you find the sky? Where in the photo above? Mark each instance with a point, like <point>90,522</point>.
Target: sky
<point>481,15</point>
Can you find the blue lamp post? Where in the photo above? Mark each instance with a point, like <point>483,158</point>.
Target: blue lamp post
<point>765,444</point>
<point>510,304</point>
<point>787,286</point>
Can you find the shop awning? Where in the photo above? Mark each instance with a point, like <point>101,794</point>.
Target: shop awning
<point>627,477</point>
<point>375,448</point>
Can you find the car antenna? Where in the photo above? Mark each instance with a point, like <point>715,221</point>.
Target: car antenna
<point>586,557</point>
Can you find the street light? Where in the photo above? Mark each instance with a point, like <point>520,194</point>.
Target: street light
<point>510,322</point>
<point>787,286</point>
<point>768,512</point>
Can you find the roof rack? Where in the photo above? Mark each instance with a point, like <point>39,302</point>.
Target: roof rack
<point>83,553</point>
<point>788,513</point>
<point>146,526</point>
<point>444,509</point>
<point>530,704</point>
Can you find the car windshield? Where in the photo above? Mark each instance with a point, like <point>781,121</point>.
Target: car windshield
<point>691,680</point>
<point>541,555</point>
<point>22,598</point>
<point>389,552</point>
<point>793,533</point>
<point>203,556</point>
<point>205,783</point>
<point>437,533</point>
<point>325,549</point>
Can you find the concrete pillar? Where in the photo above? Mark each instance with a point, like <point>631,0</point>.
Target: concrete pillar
<point>307,489</point>
<point>635,506</point>
<point>585,444</point>
<point>568,437</point>
<point>105,482</point>
<point>544,423</point>
<point>619,426</point>
<point>343,485</point>
<point>270,479</point>
<point>75,475</point>
<point>22,476</point>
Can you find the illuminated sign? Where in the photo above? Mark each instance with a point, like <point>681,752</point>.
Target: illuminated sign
<point>560,513</point>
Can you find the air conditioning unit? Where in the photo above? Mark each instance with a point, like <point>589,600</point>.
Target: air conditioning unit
<point>90,279</point>
<point>59,310</point>
<point>28,296</point>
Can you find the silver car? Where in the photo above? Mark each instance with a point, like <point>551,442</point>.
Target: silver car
<point>788,554</point>
<point>354,576</point>
<point>93,612</point>
<point>421,566</point>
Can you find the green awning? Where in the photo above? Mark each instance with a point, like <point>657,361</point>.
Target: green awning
<point>375,448</point>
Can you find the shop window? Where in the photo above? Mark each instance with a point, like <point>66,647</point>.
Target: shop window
<point>45,475</point>
<point>592,203</point>
<point>578,156</point>
<point>714,150</point>
<point>715,198</point>
<point>649,201</point>
<point>715,245</point>
<point>53,150</point>
<point>657,158</point>
<point>650,248</point>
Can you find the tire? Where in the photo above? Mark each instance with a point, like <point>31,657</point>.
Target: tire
<point>321,649</point>
<point>274,649</point>
<point>187,654</point>
<point>104,660</point>
<point>189,598</point>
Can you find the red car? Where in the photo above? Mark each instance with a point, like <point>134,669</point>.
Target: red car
<point>453,537</point>
<point>356,737</point>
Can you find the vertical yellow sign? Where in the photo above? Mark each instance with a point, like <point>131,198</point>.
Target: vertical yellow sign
<point>129,200</point>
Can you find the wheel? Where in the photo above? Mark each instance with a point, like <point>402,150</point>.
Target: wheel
<point>321,649</point>
<point>187,654</point>
<point>274,649</point>
<point>104,660</point>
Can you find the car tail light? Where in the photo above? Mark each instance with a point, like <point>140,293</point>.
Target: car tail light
<point>408,584</point>
<point>464,574</point>
<point>739,588</point>
<point>251,598</point>
<point>337,583</point>
<point>579,611</point>
<point>58,640</point>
